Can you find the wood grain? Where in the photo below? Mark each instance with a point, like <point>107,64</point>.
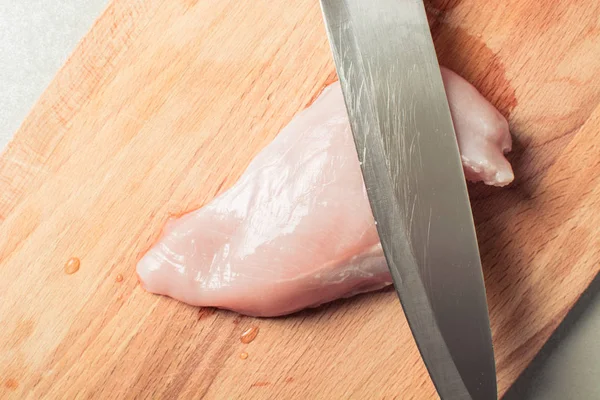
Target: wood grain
<point>162,106</point>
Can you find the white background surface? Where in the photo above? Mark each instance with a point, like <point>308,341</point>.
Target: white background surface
<point>36,38</point>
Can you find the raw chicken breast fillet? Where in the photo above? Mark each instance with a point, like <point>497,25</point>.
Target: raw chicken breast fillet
<point>296,230</point>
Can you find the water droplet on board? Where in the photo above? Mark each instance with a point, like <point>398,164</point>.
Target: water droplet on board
<point>244,355</point>
<point>119,278</point>
<point>72,265</point>
<point>249,334</point>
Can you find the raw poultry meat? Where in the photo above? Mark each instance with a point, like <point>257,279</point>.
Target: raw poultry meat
<point>296,230</point>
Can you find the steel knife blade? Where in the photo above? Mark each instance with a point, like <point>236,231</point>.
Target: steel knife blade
<point>406,144</point>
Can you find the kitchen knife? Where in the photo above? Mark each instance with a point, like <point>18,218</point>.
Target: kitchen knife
<point>400,118</point>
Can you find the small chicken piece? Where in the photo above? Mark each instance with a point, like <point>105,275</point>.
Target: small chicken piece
<point>482,132</point>
<point>296,230</point>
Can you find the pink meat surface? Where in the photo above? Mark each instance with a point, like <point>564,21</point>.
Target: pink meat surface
<point>296,230</point>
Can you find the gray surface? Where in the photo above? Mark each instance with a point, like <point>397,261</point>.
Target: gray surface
<point>421,232</point>
<point>37,36</point>
<point>568,366</point>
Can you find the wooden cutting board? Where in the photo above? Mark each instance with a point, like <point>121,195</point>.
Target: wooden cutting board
<point>162,106</point>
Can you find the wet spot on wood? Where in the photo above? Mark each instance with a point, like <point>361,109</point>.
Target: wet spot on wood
<point>11,384</point>
<point>289,379</point>
<point>205,312</point>
<point>441,5</point>
<point>437,10</point>
<point>456,49</point>
<point>72,265</point>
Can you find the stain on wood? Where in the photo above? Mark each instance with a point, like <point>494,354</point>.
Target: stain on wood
<point>11,384</point>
